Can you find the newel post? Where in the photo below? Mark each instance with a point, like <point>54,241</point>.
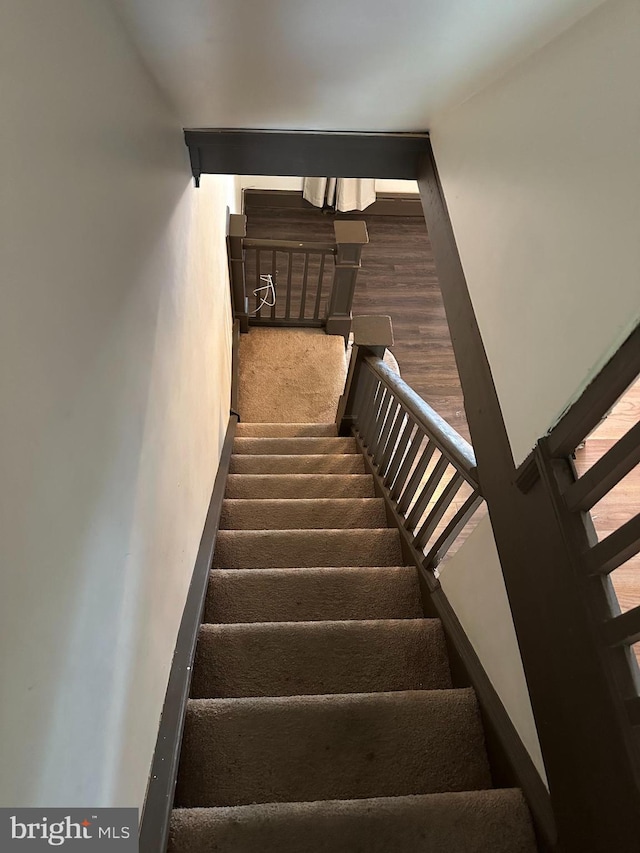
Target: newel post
<point>371,336</point>
<point>351,236</point>
<point>235,251</point>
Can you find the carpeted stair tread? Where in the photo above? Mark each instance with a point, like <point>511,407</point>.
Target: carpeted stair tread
<point>318,463</point>
<point>308,445</point>
<point>246,549</point>
<point>284,595</point>
<point>298,514</point>
<point>295,375</point>
<point>291,486</point>
<point>322,717</point>
<point>305,748</point>
<point>258,430</point>
<point>461,822</point>
<point>303,658</point>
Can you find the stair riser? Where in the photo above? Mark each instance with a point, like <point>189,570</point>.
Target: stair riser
<point>317,514</point>
<point>241,751</point>
<point>322,463</point>
<point>288,595</point>
<point>246,549</point>
<point>287,446</point>
<point>296,659</point>
<point>254,430</point>
<point>475,821</point>
<point>291,486</point>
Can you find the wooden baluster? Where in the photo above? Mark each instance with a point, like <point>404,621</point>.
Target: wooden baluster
<point>316,311</point>
<point>371,423</point>
<point>427,493</point>
<point>386,399</point>
<point>259,293</point>
<point>386,422</point>
<point>273,294</point>
<point>438,510</point>
<point>405,464</point>
<point>305,277</point>
<point>365,401</point>
<point>416,476</point>
<point>452,531</point>
<point>287,310</point>
<point>392,442</point>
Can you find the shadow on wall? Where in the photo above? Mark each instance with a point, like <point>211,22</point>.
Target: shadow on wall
<point>114,366</point>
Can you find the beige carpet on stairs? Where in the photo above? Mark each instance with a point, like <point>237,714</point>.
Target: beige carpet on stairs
<point>290,375</point>
<point>323,716</point>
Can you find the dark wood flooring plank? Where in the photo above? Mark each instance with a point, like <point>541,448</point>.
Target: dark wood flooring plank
<point>398,278</point>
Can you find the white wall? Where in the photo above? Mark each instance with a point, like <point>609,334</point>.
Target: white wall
<point>472,580</point>
<point>114,396</point>
<point>362,65</point>
<point>270,182</point>
<point>541,173</point>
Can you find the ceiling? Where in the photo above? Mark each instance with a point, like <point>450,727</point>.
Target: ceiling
<point>361,65</point>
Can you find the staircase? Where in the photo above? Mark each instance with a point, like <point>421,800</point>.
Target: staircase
<point>322,715</point>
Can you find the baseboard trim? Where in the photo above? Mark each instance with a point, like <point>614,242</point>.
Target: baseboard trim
<point>386,204</point>
<point>156,816</point>
<point>511,764</point>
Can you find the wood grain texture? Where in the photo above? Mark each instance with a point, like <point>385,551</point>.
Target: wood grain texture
<point>397,278</point>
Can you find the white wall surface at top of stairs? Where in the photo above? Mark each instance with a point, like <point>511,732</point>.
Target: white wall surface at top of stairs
<point>361,65</point>
<point>541,173</point>
<point>114,370</point>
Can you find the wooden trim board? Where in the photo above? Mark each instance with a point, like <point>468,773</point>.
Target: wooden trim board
<point>156,816</point>
<point>220,151</point>
<point>386,204</point>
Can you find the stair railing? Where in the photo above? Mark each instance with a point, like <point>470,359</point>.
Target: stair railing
<point>596,559</point>
<point>290,283</point>
<point>427,469</point>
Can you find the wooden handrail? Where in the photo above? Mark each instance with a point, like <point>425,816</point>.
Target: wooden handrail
<point>320,306</point>
<point>420,461</point>
<point>303,246</point>
<point>449,442</point>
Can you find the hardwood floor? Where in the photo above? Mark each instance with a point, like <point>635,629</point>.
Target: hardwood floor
<point>398,278</point>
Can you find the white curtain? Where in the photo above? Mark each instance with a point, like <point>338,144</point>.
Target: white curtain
<point>342,193</point>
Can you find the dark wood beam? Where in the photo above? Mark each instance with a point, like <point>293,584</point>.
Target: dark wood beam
<point>306,153</point>
<point>589,754</point>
